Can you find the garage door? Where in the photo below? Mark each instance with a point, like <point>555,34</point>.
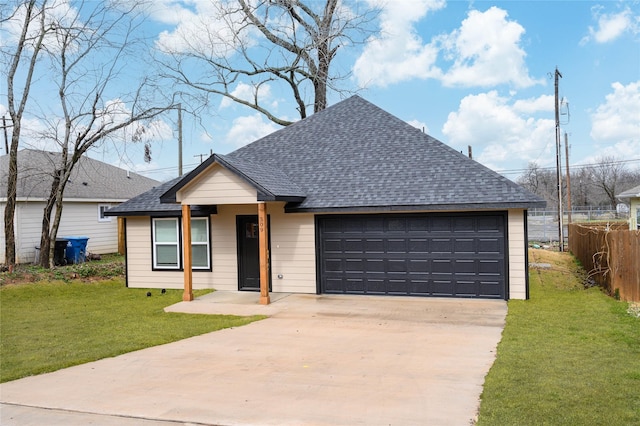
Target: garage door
<point>454,255</point>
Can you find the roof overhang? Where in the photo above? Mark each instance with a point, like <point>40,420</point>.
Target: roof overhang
<point>296,208</point>
<point>177,212</point>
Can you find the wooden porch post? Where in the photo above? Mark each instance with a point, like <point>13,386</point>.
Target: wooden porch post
<point>122,247</point>
<point>263,248</point>
<point>187,296</point>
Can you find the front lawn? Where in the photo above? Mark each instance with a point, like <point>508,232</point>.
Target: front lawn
<point>568,356</point>
<point>45,326</point>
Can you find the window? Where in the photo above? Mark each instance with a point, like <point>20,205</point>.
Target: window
<point>166,247</point>
<point>200,243</point>
<point>101,209</point>
<point>167,244</point>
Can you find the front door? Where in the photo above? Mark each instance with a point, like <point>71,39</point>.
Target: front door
<point>248,254</point>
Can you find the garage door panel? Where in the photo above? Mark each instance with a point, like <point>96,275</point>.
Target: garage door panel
<point>376,286</point>
<point>397,286</point>
<point>464,224</point>
<point>466,288</point>
<point>353,245</point>
<point>418,245</point>
<point>458,255</point>
<point>333,265</point>
<point>374,245</point>
<point>442,245</point>
<point>397,245</point>
<point>440,224</point>
<point>490,245</point>
<point>464,245</point>
<point>375,266</point>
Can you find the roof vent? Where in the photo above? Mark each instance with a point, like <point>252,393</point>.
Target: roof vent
<point>128,176</point>
<point>85,183</point>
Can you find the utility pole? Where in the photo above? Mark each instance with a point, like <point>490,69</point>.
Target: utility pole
<point>557,76</point>
<point>179,139</point>
<point>566,157</point>
<point>6,137</point>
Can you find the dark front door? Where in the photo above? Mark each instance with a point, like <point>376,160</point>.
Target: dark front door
<point>248,254</point>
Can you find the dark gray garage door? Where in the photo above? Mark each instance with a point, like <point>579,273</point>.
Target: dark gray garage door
<point>459,255</point>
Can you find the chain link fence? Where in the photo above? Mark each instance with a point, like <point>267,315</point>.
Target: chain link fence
<point>543,224</point>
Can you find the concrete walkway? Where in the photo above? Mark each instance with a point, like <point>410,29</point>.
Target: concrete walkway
<point>318,360</point>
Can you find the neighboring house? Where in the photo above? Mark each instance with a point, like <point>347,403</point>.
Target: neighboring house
<point>632,196</point>
<point>352,200</point>
<point>93,188</point>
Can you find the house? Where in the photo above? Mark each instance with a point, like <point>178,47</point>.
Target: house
<point>633,197</point>
<point>351,200</point>
<point>93,188</point>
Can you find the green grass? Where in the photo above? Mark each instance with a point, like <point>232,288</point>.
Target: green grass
<point>568,356</point>
<point>46,326</point>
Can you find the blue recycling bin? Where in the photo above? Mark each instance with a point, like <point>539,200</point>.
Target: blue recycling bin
<point>76,251</point>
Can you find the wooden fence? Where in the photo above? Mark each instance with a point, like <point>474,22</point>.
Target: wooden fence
<point>611,257</point>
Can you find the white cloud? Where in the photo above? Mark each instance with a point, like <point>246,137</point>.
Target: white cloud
<point>502,133</point>
<point>611,26</point>
<point>486,52</point>
<point>616,122</point>
<point>419,125</point>
<point>249,128</point>
<point>530,106</point>
<point>206,29</point>
<point>398,53</point>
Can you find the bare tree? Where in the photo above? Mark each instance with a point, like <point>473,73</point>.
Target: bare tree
<point>540,181</point>
<point>289,43</point>
<point>24,55</point>
<point>87,50</point>
<point>605,175</point>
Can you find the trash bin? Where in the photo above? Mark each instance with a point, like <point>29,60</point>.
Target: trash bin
<point>59,251</point>
<point>76,249</point>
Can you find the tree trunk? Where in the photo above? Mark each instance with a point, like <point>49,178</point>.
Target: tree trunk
<point>45,239</point>
<point>10,208</point>
<point>56,221</point>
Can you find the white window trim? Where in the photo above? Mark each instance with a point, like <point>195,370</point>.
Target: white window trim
<point>156,244</point>
<point>101,216</point>
<point>179,250</point>
<point>206,244</point>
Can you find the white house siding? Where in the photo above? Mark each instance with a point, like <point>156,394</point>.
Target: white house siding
<point>139,270</point>
<point>218,186</point>
<point>78,219</point>
<point>634,214</point>
<point>517,252</point>
<point>293,251</point>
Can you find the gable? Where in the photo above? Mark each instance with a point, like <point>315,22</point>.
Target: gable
<point>217,185</point>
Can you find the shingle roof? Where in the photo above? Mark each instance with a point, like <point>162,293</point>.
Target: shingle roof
<point>90,179</point>
<point>630,193</point>
<point>148,203</point>
<point>356,156</point>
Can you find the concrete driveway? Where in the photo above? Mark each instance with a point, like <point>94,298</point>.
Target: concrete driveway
<point>318,360</point>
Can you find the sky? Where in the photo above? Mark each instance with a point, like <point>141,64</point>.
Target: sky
<point>470,73</point>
